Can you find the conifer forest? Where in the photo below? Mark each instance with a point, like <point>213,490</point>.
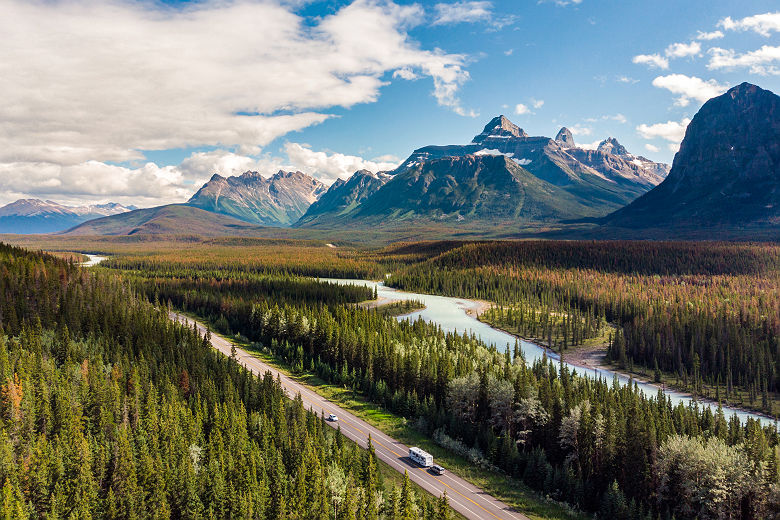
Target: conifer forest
<point>111,410</point>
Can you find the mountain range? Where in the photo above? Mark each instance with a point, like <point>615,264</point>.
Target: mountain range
<point>503,175</point>
<point>724,179</point>
<point>28,216</point>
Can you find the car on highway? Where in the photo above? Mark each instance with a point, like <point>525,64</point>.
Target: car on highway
<point>333,418</point>
<point>437,470</point>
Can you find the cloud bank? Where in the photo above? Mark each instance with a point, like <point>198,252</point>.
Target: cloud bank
<point>86,82</point>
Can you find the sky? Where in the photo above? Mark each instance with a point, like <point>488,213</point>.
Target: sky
<point>140,102</point>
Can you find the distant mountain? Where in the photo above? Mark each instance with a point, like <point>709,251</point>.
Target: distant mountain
<point>502,174</point>
<point>485,188</point>
<point>726,174</point>
<point>28,216</point>
<point>279,200</point>
<point>343,198</point>
<point>173,219</point>
<point>604,180</point>
<point>612,160</point>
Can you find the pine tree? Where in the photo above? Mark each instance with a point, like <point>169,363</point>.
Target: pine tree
<point>407,507</point>
<point>442,508</point>
<point>370,482</point>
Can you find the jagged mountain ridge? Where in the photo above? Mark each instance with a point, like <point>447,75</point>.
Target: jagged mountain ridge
<point>607,180</point>
<point>29,216</point>
<point>726,173</point>
<point>279,200</point>
<point>585,183</point>
<point>486,188</point>
<point>344,197</point>
<point>613,160</point>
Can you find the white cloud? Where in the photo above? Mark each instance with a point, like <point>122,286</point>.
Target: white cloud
<point>144,185</point>
<point>406,73</point>
<point>142,77</point>
<point>201,165</point>
<point>627,79</point>
<point>589,146</point>
<point>580,130</point>
<point>620,118</point>
<point>462,12</point>
<point>651,148</point>
<point>689,87</point>
<point>537,103</point>
<point>149,184</point>
<point>673,147</point>
<point>707,36</point>
<point>521,109</point>
<point>682,50</point>
<point>328,167</point>
<point>562,3</point>
<point>509,52</point>
<point>760,61</point>
<point>763,24</point>
<point>654,61</point>
<point>94,181</point>
<point>672,131</point>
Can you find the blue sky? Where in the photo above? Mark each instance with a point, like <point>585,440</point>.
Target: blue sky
<point>141,101</point>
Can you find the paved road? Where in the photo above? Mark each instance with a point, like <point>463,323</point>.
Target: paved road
<point>465,498</point>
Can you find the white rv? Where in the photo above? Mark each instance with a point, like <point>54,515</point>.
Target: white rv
<point>421,457</point>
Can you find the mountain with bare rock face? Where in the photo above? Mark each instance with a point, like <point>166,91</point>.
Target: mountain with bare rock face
<point>726,174</point>
<point>487,189</point>
<point>606,179</point>
<point>279,200</point>
<point>503,174</point>
<point>344,197</point>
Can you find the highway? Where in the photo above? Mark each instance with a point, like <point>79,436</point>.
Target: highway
<point>465,498</point>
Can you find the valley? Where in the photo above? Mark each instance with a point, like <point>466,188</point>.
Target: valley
<point>389,260</point>
<point>261,295</point>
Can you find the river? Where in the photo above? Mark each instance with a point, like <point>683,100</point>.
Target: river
<point>451,315</point>
<point>93,260</point>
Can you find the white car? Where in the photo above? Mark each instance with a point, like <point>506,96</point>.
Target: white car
<point>332,417</point>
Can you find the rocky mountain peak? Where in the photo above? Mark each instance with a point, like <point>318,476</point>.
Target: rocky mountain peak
<point>278,200</point>
<point>565,138</point>
<point>727,172</point>
<point>281,174</point>
<point>500,127</point>
<point>611,145</point>
<point>743,90</point>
